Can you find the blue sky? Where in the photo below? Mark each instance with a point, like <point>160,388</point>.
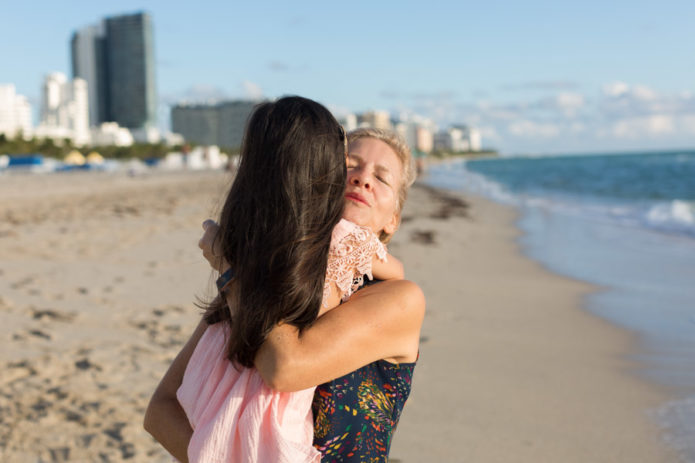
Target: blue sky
<point>536,77</point>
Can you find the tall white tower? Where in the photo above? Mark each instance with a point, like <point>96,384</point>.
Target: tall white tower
<point>65,109</point>
<point>15,112</point>
<point>52,110</point>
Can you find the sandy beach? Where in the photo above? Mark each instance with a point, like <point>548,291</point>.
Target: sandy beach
<point>99,274</point>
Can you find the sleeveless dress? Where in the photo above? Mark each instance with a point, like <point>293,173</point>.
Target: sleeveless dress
<point>356,415</point>
<point>235,417</point>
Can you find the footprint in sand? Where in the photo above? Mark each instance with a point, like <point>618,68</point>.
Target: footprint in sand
<point>39,334</point>
<point>86,364</point>
<point>59,455</point>
<point>22,283</point>
<point>162,311</point>
<point>17,370</point>
<point>50,314</point>
<point>73,416</point>
<point>114,432</point>
<point>57,392</point>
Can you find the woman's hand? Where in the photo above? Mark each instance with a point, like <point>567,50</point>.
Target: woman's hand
<point>211,247</point>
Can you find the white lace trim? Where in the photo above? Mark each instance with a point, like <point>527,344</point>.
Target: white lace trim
<point>350,258</point>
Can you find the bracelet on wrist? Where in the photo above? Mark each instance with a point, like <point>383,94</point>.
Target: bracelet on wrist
<point>224,279</point>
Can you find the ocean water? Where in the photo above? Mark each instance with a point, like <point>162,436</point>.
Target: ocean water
<point>625,222</point>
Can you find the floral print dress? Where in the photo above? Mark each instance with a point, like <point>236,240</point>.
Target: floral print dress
<point>356,415</point>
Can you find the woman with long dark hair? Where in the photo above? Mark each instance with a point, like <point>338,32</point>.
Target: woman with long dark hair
<point>278,234</point>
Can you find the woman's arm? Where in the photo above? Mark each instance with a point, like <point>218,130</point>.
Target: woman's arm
<point>382,321</point>
<point>391,269</point>
<point>164,418</point>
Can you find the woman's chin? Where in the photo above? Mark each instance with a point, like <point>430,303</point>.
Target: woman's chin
<point>356,215</point>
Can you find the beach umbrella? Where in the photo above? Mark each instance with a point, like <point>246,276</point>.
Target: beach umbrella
<point>74,158</point>
<point>95,158</point>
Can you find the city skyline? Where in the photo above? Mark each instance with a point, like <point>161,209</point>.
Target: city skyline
<point>534,78</point>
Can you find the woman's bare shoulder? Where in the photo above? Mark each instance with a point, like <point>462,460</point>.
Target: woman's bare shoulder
<point>381,321</point>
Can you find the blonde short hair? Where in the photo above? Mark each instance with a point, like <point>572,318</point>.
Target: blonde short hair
<point>398,145</point>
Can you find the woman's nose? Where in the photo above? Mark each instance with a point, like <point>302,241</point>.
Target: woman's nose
<point>358,178</point>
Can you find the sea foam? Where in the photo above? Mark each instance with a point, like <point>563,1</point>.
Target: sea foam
<point>674,217</point>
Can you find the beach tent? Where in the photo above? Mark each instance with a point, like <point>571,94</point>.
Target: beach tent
<point>95,158</point>
<point>74,158</point>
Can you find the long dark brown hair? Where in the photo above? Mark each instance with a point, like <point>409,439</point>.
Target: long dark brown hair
<point>277,220</point>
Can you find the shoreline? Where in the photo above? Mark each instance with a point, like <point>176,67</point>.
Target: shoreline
<point>538,375</point>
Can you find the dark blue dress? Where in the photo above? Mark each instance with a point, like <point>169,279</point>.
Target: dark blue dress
<point>356,415</point>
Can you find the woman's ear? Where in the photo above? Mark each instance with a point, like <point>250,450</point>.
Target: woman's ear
<point>392,225</point>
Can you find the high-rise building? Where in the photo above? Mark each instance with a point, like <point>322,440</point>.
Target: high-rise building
<point>458,139</point>
<point>220,124</point>
<point>64,109</point>
<point>87,55</point>
<point>116,58</point>
<point>130,64</point>
<point>475,141</point>
<point>15,112</point>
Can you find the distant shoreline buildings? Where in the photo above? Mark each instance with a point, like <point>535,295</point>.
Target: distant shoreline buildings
<point>112,97</point>
<point>421,134</point>
<point>220,123</point>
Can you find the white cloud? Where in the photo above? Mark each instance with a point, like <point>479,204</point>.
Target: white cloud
<point>644,93</point>
<point>570,100</point>
<point>489,133</point>
<point>569,103</point>
<point>251,90</point>
<point>638,127</point>
<point>617,115</point>
<point>615,89</point>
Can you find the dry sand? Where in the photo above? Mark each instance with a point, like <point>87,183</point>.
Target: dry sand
<point>98,279</point>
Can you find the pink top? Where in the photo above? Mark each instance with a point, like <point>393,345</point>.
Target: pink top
<point>237,418</point>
